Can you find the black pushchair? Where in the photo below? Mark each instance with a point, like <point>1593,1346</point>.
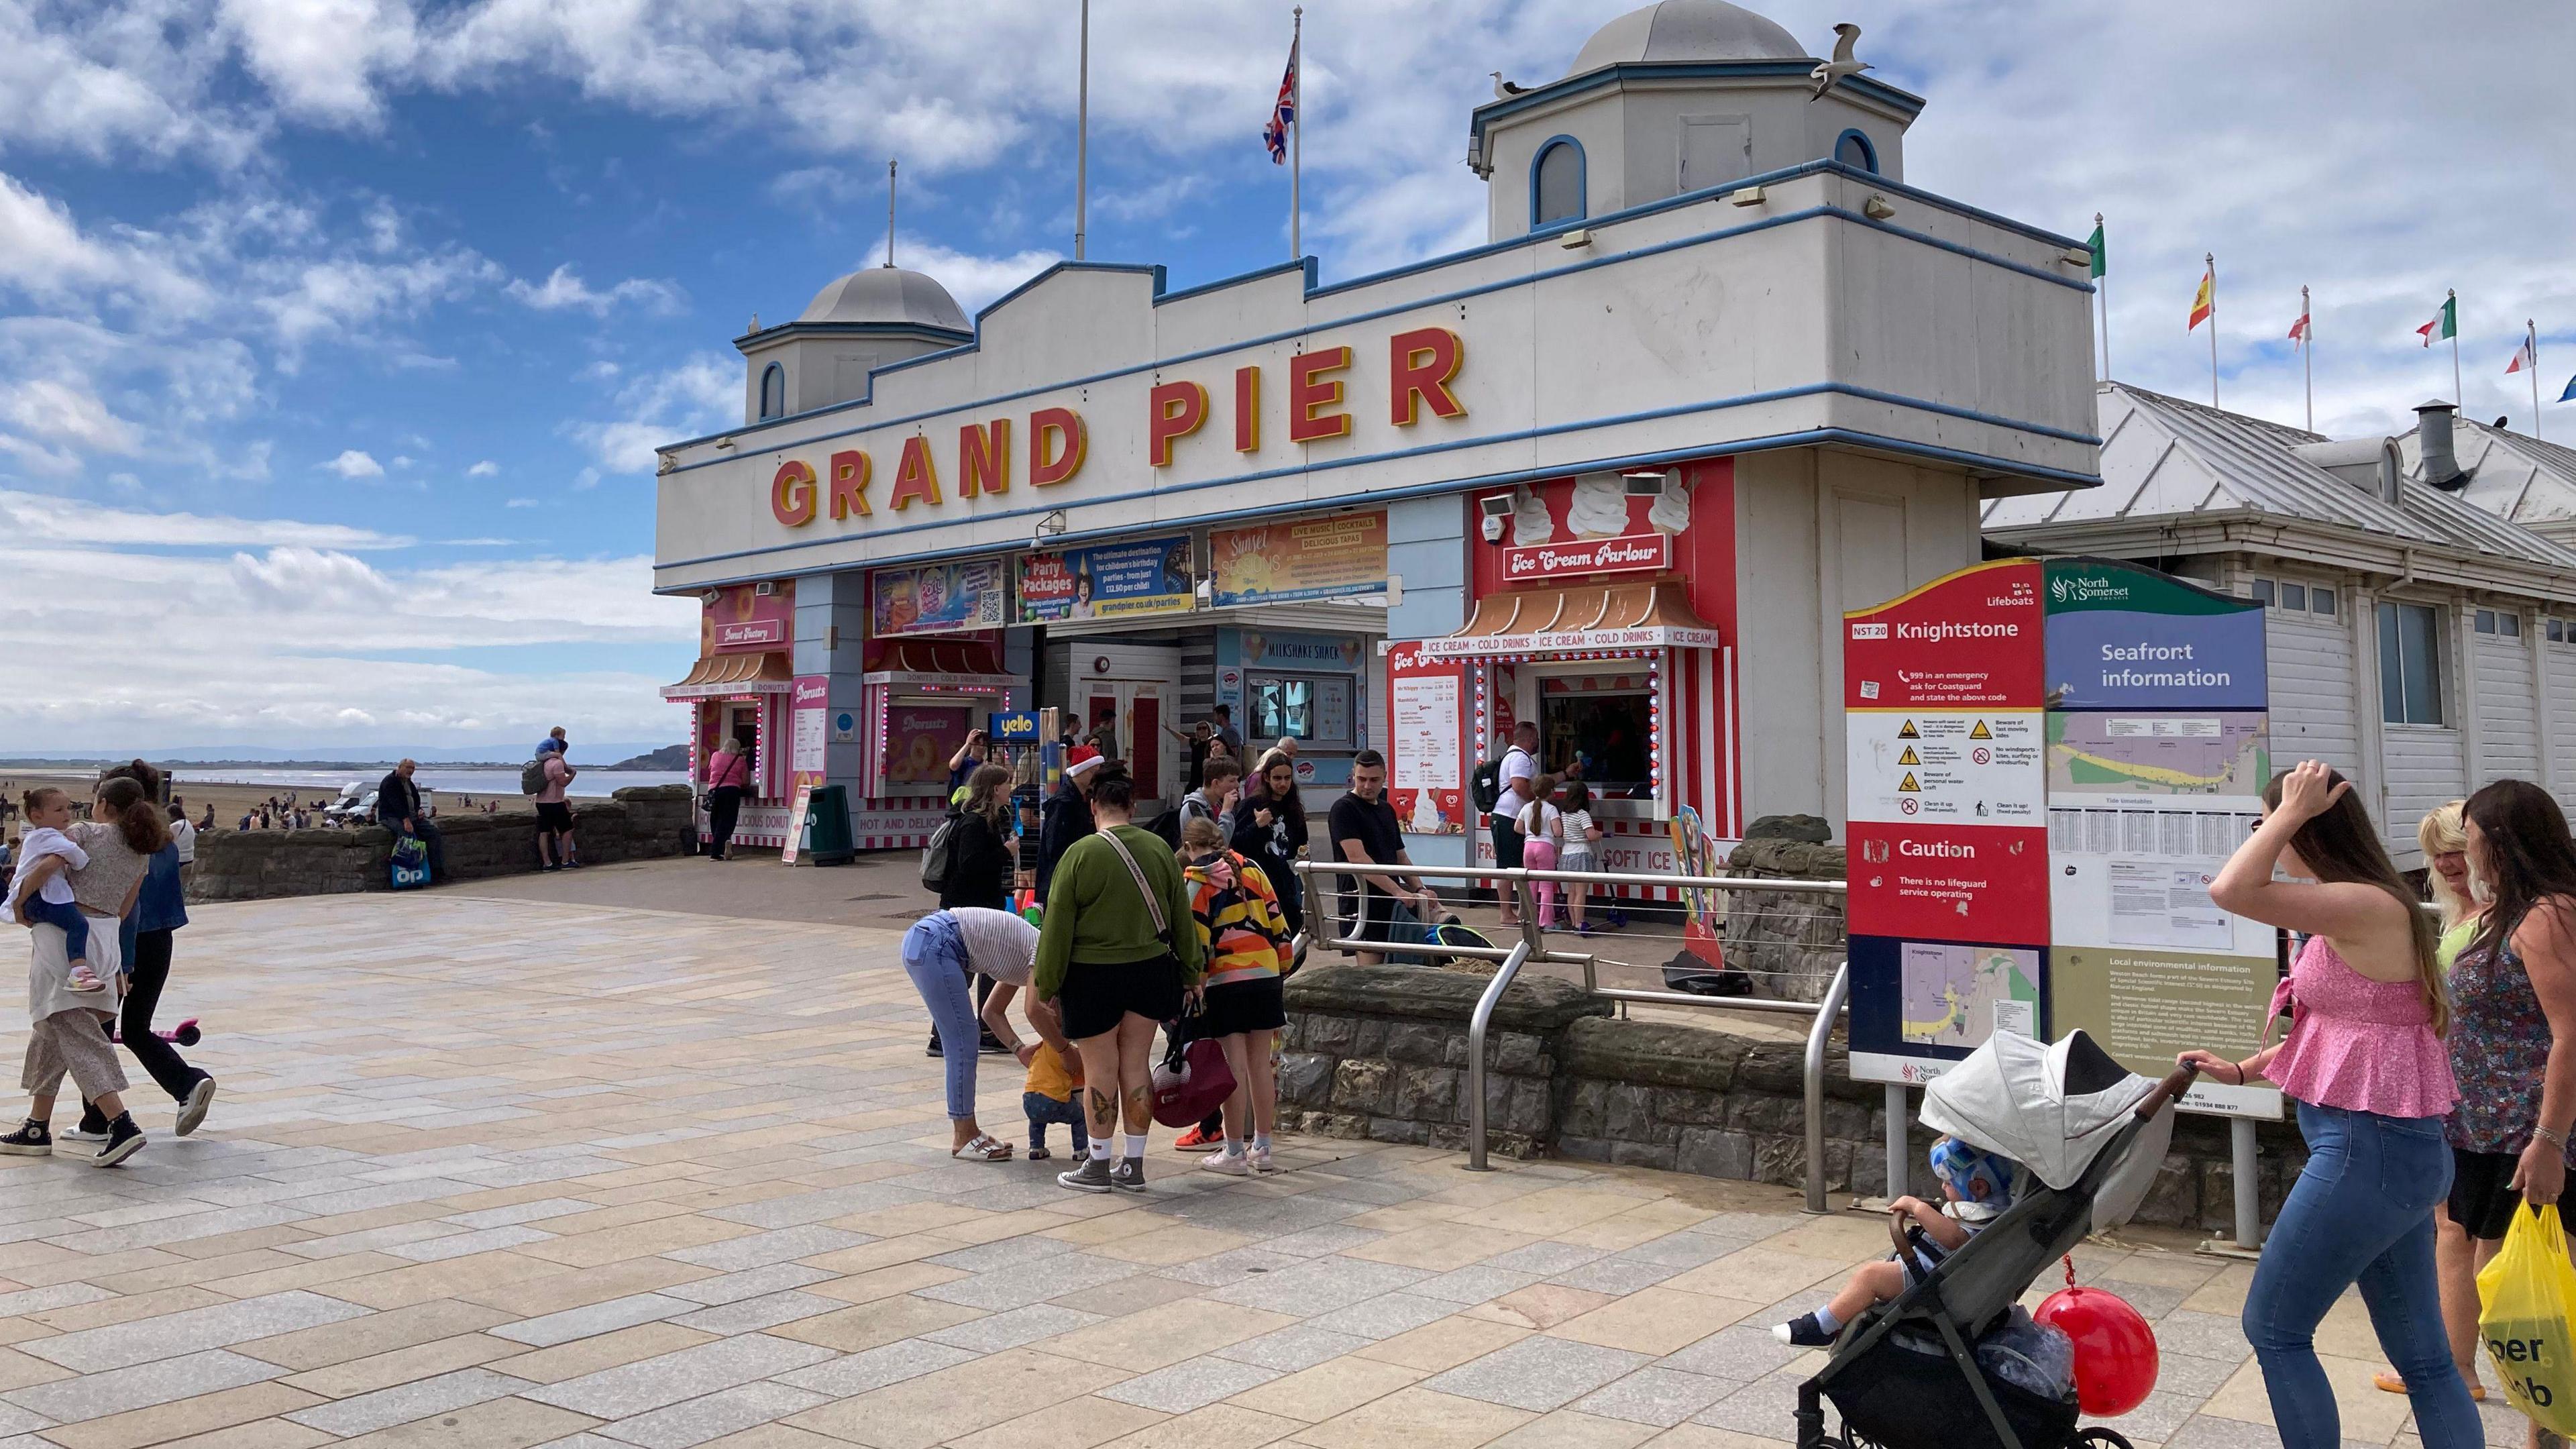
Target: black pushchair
<point>2090,1136</point>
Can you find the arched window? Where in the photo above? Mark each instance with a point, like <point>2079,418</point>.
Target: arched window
<point>1556,182</point>
<point>1852,149</point>
<point>773,391</point>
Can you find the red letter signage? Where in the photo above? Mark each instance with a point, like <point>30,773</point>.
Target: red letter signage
<point>984,458</point>
<point>1175,411</point>
<point>1057,440</point>
<point>1420,365</point>
<point>916,476</point>
<point>1247,409</point>
<point>850,485</point>
<point>1308,397</point>
<point>791,494</point>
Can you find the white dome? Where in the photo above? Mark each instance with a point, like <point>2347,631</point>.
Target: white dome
<point>887,295</point>
<point>1683,30</point>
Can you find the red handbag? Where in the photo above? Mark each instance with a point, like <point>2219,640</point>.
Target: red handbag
<point>1192,1082</point>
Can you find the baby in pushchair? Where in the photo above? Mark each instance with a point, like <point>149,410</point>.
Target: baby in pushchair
<point>1977,1186</point>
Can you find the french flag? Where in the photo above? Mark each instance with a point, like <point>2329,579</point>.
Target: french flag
<point>1283,113</point>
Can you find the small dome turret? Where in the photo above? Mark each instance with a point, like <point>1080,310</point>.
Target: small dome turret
<point>1687,30</point>
<point>887,295</point>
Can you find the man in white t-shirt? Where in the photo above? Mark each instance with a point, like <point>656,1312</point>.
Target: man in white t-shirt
<point>1520,765</point>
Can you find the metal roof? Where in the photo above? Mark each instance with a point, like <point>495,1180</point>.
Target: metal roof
<point>2512,475</point>
<point>2163,457</point>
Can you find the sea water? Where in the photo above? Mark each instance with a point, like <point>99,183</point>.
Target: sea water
<point>501,785</point>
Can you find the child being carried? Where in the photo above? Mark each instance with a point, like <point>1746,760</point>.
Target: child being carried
<point>39,894</point>
<point>1977,1186</point>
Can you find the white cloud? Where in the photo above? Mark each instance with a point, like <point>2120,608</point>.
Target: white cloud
<point>695,398</point>
<point>320,58</point>
<point>485,469</point>
<point>520,503</point>
<point>972,280</point>
<point>291,645</point>
<point>44,518</point>
<point>563,288</point>
<point>354,464</point>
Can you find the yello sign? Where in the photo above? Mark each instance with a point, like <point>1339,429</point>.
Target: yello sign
<point>1421,365</point>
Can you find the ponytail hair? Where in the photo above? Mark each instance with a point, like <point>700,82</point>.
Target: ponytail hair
<point>122,800</point>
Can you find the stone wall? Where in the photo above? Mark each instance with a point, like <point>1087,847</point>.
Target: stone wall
<point>1788,942</point>
<point>637,823</point>
<point>1380,1052</point>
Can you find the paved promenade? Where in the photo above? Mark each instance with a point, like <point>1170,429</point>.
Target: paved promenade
<point>492,1174</point>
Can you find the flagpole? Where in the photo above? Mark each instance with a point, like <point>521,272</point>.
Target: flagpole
<point>2308,353</point>
<point>2459,394</point>
<point>1296,133</point>
<point>2531,334</point>
<point>2211,258</point>
<point>1082,140</point>
<point>2102,294</point>
<point>889,213</point>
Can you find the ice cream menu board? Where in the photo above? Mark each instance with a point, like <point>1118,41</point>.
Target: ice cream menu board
<point>1947,803</point>
<point>2159,745</point>
<point>1427,779</point>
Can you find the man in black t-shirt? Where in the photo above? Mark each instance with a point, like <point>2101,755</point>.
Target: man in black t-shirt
<point>1363,832</point>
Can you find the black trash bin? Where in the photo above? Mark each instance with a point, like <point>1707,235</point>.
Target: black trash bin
<point>829,815</point>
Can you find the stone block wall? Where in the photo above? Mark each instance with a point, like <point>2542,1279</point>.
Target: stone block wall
<point>637,823</point>
<point>1788,942</point>
<point>1380,1052</point>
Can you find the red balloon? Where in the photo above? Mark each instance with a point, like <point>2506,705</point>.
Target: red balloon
<point>2115,1350</point>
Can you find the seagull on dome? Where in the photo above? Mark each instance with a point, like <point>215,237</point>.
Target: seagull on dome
<point>1504,88</point>
<point>1845,36</point>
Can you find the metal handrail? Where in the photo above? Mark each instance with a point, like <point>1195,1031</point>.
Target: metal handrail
<point>1836,992</point>
<point>1476,1025</point>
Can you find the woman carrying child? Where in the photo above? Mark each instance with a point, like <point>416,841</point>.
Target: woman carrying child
<point>67,1029</point>
<point>2365,1063</point>
<point>1245,942</point>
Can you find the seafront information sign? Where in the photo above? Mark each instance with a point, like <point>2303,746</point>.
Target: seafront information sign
<point>2159,744</point>
<point>1943,693</point>
<point>2046,766</point>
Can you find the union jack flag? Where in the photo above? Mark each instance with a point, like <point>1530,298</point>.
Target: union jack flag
<point>1283,113</point>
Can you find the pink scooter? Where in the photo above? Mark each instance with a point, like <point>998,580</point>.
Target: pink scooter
<point>185,1033</point>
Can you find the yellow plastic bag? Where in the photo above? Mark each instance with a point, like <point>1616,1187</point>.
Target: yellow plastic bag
<point>2526,1296</point>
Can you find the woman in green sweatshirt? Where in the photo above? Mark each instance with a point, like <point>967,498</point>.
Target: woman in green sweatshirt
<point>1117,954</point>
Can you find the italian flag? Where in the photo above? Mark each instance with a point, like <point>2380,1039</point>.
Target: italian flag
<point>2445,323</point>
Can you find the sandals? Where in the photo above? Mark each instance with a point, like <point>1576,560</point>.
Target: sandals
<point>985,1148</point>
<point>2391,1383</point>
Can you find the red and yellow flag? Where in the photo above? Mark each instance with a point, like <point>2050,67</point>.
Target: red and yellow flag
<point>2200,305</point>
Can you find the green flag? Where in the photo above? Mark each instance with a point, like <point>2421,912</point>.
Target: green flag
<point>2445,323</point>
<point>2101,260</point>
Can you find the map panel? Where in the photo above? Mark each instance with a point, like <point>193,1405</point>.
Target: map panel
<point>1955,996</point>
<point>2220,754</point>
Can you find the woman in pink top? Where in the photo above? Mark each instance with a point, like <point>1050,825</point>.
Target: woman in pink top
<point>2365,1063</point>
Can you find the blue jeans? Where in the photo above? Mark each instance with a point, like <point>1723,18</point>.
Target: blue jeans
<point>2361,1212</point>
<point>1043,1109</point>
<point>74,925</point>
<point>934,956</point>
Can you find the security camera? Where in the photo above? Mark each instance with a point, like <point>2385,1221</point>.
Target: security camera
<point>1495,508</point>
<point>1493,528</point>
<point>711,596</point>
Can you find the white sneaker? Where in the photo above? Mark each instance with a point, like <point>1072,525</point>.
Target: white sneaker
<point>1232,1164</point>
<point>1260,1159</point>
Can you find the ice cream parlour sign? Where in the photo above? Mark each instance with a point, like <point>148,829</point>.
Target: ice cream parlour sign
<point>1597,523</point>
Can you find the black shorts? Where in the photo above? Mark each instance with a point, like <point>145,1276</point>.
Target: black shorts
<point>555,816</point>
<point>2482,1197</point>
<point>1241,1006</point>
<point>1096,997</point>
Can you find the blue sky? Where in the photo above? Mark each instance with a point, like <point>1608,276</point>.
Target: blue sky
<point>334,334</point>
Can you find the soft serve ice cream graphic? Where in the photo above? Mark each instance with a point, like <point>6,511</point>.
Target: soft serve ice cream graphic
<point>1426,814</point>
<point>1531,522</point>
<point>1600,506</point>
<point>1671,513</point>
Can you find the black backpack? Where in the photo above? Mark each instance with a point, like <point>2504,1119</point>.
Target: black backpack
<point>1167,827</point>
<point>1485,786</point>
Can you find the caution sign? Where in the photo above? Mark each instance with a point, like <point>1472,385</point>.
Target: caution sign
<point>1909,757</point>
<point>1981,732</point>
<point>1908,786</point>
<point>1909,732</point>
